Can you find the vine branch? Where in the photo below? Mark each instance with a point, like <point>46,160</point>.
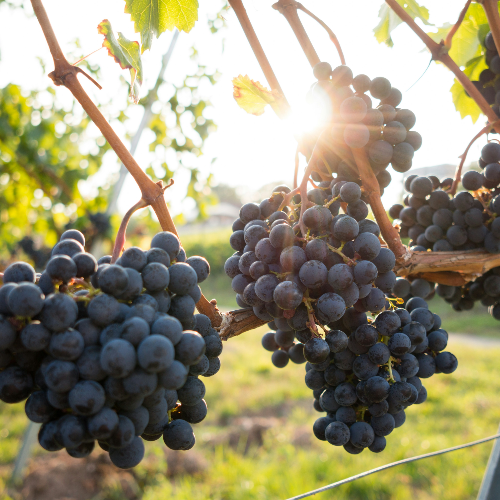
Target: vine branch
<point>121,235</point>
<point>463,156</point>
<point>491,10</point>
<point>372,191</point>
<point>151,193</point>
<point>453,30</point>
<point>440,53</point>
<point>254,42</point>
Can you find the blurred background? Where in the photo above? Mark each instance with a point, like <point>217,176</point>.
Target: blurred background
<point>57,172</point>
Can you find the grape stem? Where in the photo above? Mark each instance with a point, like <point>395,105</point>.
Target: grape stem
<point>440,53</point>
<point>449,36</point>
<point>372,192</point>
<point>121,234</point>
<point>289,9</point>
<point>296,171</point>
<point>463,156</point>
<point>310,314</point>
<point>491,10</point>
<point>392,380</point>
<point>303,185</point>
<point>331,34</point>
<point>346,259</point>
<point>287,198</point>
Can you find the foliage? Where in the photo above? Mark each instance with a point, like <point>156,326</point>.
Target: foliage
<point>40,193</point>
<point>253,97</point>
<point>42,166</point>
<point>467,51</point>
<point>152,17</point>
<point>467,48</point>
<point>389,21</point>
<point>126,54</point>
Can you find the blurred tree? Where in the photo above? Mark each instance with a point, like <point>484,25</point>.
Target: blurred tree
<point>227,194</point>
<point>47,157</point>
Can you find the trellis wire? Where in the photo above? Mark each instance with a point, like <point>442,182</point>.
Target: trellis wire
<point>393,464</point>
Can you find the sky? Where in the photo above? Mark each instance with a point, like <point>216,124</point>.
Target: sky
<point>250,151</point>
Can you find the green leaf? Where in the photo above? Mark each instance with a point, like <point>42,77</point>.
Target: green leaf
<point>126,54</point>
<point>389,20</point>
<point>465,105</point>
<point>153,17</point>
<point>253,97</point>
<point>466,41</point>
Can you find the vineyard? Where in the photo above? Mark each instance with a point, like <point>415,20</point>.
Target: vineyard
<point>171,366</point>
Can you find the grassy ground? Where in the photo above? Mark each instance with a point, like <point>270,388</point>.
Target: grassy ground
<point>257,443</point>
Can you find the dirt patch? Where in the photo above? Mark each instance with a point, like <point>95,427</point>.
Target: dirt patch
<point>180,463</point>
<point>245,433</point>
<point>277,411</point>
<point>61,477</point>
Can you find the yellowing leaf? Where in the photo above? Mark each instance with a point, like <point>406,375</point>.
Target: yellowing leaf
<point>464,104</point>
<point>126,54</point>
<point>389,20</point>
<point>153,17</point>
<point>253,97</point>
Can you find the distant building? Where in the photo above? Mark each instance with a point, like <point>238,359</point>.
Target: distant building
<point>222,214</point>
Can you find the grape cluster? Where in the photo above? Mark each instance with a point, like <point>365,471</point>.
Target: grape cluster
<point>383,131</point>
<point>365,373</point>
<point>488,83</point>
<point>331,278</point>
<point>108,352</point>
<point>485,288</point>
<point>433,220</point>
<point>338,264</point>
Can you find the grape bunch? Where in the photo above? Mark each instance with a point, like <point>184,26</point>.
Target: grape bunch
<point>108,352</point>
<point>485,288</point>
<point>384,130</point>
<point>434,220</point>
<point>331,278</point>
<point>488,83</point>
<point>366,372</point>
<point>335,266</point>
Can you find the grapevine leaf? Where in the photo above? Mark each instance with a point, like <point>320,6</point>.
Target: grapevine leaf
<point>126,54</point>
<point>466,40</point>
<point>464,104</point>
<point>389,20</point>
<point>253,97</point>
<point>153,17</point>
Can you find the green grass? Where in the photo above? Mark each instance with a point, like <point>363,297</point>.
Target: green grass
<point>477,321</point>
<point>249,391</point>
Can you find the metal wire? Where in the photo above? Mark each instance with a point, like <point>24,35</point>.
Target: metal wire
<point>393,464</point>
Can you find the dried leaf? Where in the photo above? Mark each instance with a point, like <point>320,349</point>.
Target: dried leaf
<point>127,54</point>
<point>253,97</point>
